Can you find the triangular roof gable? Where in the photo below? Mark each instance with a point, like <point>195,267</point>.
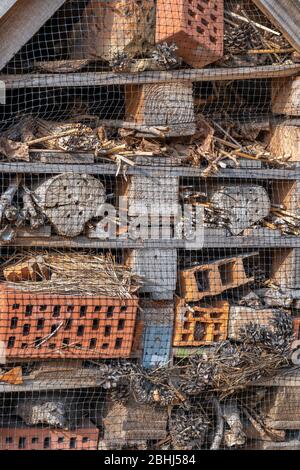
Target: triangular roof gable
<point>22,19</point>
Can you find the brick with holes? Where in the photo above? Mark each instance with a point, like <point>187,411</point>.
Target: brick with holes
<point>48,326</point>
<point>197,325</point>
<point>215,277</point>
<point>22,437</point>
<point>195,26</point>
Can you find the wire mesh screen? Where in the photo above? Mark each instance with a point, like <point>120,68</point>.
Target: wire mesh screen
<point>150,223</point>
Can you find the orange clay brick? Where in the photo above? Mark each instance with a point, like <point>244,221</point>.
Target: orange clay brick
<point>27,438</point>
<point>296,322</point>
<point>214,278</point>
<point>197,325</point>
<point>195,26</point>
<point>48,326</point>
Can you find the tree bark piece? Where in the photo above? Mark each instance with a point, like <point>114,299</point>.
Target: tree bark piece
<point>218,437</point>
<point>7,197</point>
<point>235,436</point>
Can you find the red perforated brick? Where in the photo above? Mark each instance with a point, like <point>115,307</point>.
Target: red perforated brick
<point>296,323</point>
<point>196,26</point>
<point>56,326</point>
<point>26,438</point>
<point>196,325</point>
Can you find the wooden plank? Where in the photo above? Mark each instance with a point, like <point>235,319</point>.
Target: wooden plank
<point>285,269</point>
<point>285,15</point>
<point>124,424</point>
<point>20,23</point>
<point>84,242</point>
<point>69,379</point>
<point>52,156</point>
<point>285,141</point>
<point>5,5</point>
<point>283,408</point>
<point>155,170</point>
<point>287,445</point>
<point>241,316</point>
<point>258,238</point>
<point>43,232</point>
<point>287,193</point>
<point>212,239</point>
<point>114,78</point>
<point>158,267</point>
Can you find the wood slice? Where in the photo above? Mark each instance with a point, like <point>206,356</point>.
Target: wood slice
<point>69,201</point>
<point>243,206</point>
<point>162,104</point>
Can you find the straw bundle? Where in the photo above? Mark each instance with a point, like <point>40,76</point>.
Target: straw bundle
<point>72,273</point>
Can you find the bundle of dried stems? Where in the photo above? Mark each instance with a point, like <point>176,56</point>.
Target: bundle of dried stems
<point>81,274</point>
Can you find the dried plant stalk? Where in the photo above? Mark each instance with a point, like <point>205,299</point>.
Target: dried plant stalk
<point>81,274</point>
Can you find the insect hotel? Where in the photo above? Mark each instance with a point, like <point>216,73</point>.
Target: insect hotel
<point>149,225</point>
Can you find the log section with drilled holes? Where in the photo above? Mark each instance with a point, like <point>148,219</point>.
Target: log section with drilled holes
<point>69,201</point>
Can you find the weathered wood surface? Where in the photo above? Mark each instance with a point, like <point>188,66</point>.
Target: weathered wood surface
<point>286,96</point>
<point>285,14</point>
<point>285,141</point>
<point>131,423</point>
<point>282,410</point>
<point>5,5</point>
<point>285,270</point>
<point>151,170</point>
<point>70,158</point>
<point>70,378</point>
<point>243,205</point>
<point>240,316</point>
<point>69,201</point>
<point>287,193</point>
<point>113,27</point>
<point>114,78</point>
<point>157,196</point>
<point>287,445</point>
<point>166,104</point>
<point>21,22</point>
<point>158,267</point>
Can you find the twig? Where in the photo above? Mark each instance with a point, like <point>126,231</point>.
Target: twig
<point>158,131</point>
<point>228,135</point>
<point>50,335</point>
<point>271,51</point>
<point>54,136</point>
<point>246,20</point>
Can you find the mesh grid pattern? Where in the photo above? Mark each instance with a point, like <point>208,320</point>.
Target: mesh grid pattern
<point>149,237</point>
